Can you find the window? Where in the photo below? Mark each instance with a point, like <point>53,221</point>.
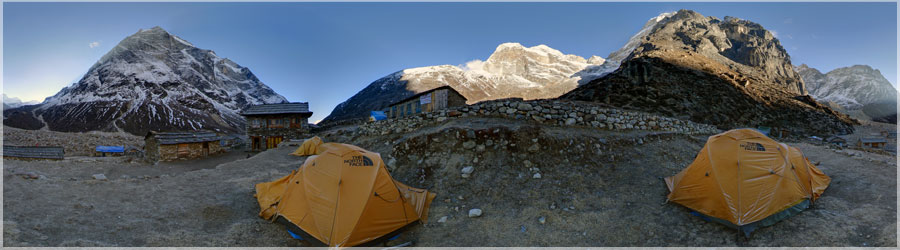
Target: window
<point>274,123</point>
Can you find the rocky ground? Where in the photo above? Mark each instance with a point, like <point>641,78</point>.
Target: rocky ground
<point>537,186</point>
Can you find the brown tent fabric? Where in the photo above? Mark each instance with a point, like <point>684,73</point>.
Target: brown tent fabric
<point>344,196</point>
<point>741,176</point>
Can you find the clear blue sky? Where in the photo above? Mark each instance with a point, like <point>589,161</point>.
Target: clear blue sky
<point>323,53</point>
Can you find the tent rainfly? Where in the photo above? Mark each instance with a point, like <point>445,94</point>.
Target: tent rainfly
<point>745,180</point>
<point>342,197</point>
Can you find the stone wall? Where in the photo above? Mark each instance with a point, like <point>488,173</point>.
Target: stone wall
<point>169,152</point>
<point>28,159</point>
<point>151,150</point>
<point>550,112</point>
<point>286,133</point>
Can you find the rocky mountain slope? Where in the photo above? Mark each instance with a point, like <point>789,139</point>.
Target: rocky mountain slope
<point>729,73</point>
<point>853,88</point>
<point>151,80</point>
<point>513,70</point>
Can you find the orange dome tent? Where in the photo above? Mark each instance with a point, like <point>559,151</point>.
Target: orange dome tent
<point>344,196</point>
<point>745,180</point>
<point>308,147</point>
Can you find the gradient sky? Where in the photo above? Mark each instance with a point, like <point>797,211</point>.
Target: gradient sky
<point>323,53</point>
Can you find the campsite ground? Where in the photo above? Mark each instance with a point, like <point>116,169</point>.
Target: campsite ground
<point>597,188</point>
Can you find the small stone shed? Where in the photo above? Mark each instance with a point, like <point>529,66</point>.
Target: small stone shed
<point>33,152</point>
<point>172,146</point>
<point>428,101</point>
<point>876,143</point>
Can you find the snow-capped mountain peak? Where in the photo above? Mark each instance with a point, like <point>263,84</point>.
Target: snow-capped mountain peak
<point>153,80</point>
<point>851,87</point>
<point>14,102</point>
<point>513,70</point>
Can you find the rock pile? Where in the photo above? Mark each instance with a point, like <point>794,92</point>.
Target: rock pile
<point>550,112</point>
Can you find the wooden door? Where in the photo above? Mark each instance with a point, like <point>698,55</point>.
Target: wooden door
<point>205,148</point>
<point>255,144</point>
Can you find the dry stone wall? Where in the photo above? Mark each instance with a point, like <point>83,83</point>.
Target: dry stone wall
<point>550,112</point>
<point>169,152</point>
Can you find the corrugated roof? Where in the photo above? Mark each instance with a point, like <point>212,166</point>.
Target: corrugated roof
<point>34,152</point>
<point>181,137</point>
<point>281,108</point>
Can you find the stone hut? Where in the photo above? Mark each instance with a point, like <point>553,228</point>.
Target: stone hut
<point>428,101</point>
<point>169,146</point>
<point>269,124</point>
<point>33,152</point>
<point>876,143</point>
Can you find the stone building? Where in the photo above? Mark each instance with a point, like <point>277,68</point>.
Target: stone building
<point>269,124</point>
<point>876,143</point>
<point>428,101</point>
<point>33,153</point>
<point>169,146</point>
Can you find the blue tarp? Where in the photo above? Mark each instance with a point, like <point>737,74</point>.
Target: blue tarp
<point>379,115</point>
<point>764,130</point>
<point>111,149</point>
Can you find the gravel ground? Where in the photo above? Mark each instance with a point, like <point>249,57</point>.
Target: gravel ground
<point>597,188</point>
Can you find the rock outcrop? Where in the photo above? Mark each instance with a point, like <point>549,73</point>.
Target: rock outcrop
<point>730,74</point>
<point>547,112</point>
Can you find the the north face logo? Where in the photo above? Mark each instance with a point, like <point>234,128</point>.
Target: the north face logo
<point>752,146</point>
<point>359,161</point>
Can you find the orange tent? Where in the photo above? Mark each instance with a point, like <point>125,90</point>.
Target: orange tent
<point>308,147</point>
<point>344,196</point>
<point>745,180</point>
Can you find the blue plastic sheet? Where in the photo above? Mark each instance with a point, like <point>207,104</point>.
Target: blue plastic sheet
<point>111,149</point>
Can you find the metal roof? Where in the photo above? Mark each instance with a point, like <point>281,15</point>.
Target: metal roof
<point>179,137</point>
<point>280,108</point>
<point>873,140</point>
<point>34,152</point>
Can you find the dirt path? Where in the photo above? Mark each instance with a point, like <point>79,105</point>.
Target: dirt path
<point>596,189</point>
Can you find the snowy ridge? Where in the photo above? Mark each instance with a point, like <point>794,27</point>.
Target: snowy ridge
<point>851,87</point>
<point>512,71</point>
<point>15,102</point>
<point>614,60</point>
